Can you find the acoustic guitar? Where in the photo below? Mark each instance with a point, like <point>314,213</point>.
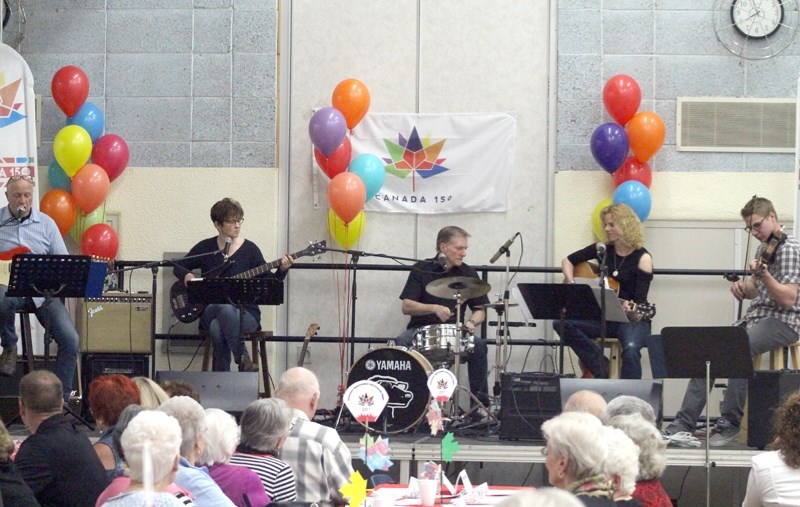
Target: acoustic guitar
<point>189,312</point>
<point>587,269</point>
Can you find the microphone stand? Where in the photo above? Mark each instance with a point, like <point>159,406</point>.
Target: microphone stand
<point>603,331</point>
<point>501,348</point>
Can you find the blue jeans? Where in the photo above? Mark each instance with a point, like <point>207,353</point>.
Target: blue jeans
<point>61,327</point>
<point>222,323</point>
<point>580,336</point>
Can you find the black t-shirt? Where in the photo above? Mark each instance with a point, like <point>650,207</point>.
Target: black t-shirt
<point>634,284</point>
<point>423,273</point>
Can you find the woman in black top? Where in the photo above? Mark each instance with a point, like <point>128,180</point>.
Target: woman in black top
<point>631,266</point>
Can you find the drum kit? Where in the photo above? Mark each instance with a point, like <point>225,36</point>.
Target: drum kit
<point>404,372</point>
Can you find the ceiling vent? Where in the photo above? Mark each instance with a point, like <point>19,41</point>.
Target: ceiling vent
<point>736,125</point>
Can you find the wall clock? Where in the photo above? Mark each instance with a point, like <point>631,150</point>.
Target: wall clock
<point>756,29</point>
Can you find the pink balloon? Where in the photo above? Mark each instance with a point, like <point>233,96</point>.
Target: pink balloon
<point>90,187</point>
<point>111,153</point>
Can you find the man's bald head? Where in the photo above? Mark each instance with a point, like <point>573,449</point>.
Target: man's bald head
<point>299,388</point>
<point>586,401</point>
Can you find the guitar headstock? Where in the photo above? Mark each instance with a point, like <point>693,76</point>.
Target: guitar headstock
<point>312,330</point>
<point>645,310</point>
<point>315,248</point>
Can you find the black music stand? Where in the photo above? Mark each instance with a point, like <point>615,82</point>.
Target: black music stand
<point>49,276</point>
<point>710,352</point>
<point>236,291</point>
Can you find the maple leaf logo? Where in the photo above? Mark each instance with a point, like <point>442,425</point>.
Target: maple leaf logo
<point>366,400</point>
<point>414,156</point>
<point>442,384</point>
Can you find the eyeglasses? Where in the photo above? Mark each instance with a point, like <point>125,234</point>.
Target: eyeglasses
<point>756,225</point>
<point>235,222</point>
<point>16,177</point>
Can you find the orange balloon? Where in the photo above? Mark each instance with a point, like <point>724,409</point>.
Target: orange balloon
<point>646,135</point>
<point>351,97</point>
<point>347,195</point>
<point>59,205</point>
<point>90,187</point>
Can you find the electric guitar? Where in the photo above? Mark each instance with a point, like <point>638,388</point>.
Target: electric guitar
<point>312,330</point>
<point>189,312</point>
<point>646,311</point>
<point>5,262</point>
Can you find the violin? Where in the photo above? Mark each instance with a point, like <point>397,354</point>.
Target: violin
<point>767,256</point>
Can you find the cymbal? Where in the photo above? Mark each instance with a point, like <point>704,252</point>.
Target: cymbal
<point>497,305</point>
<point>448,288</point>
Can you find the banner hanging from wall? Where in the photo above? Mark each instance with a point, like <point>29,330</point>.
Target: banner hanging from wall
<point>17,120</point>
<point>440,163</point>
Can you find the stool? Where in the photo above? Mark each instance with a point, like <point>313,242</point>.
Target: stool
<point>615,356</point>
<point>27,338</point>
<point>258,345</point>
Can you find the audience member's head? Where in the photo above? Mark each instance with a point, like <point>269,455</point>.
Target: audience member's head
<point>265,424</point>
<point>192,419</point>
<point>575,449</point>
<point>542,497</point>
<point>108,397</point>
<point>179,387</point>
<point>299,388</point>
<point>40,397</point>
<point>127,415</point>
<point>652,460</point>
<point>151,396</point>
<point>629,405</point>
<point>622,463</point>
<point>222,437</point>
<point>155,436</point>
<point>586,401</point>
<point>6,444</point>
<point>786,427</point>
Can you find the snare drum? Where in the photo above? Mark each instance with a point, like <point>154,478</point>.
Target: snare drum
<point>404,375</point>
<point>436,342</point>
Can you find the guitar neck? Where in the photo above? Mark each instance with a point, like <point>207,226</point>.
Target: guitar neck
<point>266,267</point>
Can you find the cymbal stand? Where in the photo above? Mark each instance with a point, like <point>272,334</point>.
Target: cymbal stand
<point>457,351</point>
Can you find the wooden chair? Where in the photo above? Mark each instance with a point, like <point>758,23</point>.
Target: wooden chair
<point>258,346</point>
<point>614,356</point>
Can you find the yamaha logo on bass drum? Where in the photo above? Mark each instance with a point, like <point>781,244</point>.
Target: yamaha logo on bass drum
<point>387,364</point>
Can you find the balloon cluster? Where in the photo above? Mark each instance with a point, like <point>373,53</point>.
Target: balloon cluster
<point>640,133</point>
<point>79,188</point>
<point>352,182</point>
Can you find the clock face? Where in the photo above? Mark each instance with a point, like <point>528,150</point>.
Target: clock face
<point>757,18</point>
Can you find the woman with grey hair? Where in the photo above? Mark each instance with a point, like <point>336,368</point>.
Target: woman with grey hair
<point>151,443</point>
<point>541,497</point>
<point>264,426</point>
<point>621,465</point>
<point>575,456</point>
<point>629,405</point>
<point>236,482</point>
<point>652,460</point>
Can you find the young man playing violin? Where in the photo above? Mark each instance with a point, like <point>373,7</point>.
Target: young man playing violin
<point>631,266</point>
<point>772,320</point>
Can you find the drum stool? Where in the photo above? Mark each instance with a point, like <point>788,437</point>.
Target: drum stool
<point>258,346</point>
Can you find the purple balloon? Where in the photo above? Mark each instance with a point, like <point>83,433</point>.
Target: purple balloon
<point>327,129</point>
<point>610,145</point>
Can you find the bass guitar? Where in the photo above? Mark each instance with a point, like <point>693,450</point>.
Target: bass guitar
<point>312,330</point>
<point>189,312</point>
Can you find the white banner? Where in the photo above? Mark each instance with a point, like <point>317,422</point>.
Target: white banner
<point>17,120</point>
<point>440,163</point>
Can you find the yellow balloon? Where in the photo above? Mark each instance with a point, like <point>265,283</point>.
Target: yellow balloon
<point>345,234</point>
<point>72,147</point>
<point>597,222</point>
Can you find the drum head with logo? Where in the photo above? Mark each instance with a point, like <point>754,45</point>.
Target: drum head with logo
<point>404,375</point>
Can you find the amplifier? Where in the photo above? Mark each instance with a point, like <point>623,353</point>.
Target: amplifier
<point>116,322</point>
<point>527,400</point>
<point>94,365</point>
<point>766,391</point>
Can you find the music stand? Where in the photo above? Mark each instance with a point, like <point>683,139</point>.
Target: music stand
<point>48,276</point>
<point>715,352</point>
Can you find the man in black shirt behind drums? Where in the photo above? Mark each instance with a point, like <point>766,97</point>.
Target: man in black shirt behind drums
<point>429,297</point>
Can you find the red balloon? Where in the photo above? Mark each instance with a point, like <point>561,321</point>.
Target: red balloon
<point>90,187</point>
<point>347,195</point>
<point>338,161</point>
<point>59,205</point>
<point>632,169</point>
<point>111,153</point>
<point>622,97</point>
<point>100,240</point>
<point>70,87</point>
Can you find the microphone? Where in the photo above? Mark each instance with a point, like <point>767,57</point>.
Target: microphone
<point>20,212</point>
<point>503,249</point>
<point>225,250</point>
<point>601,248</point>
<point>441,260</point>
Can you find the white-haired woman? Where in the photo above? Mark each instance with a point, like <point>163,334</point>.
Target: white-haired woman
<point>237,482</point>
<point>575,456</point>
<point>621,465</point>
<point>541,497</point>
<point>151,443</point>
<point>264,426</point>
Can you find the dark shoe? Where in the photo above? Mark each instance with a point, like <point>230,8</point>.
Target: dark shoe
<point>8,362</point>
<point>247,364</point>
<point>724,435</point>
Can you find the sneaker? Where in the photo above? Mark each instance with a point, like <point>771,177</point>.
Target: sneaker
<point>723,435</point>
<point>8,361</point>
<point>247,364</point>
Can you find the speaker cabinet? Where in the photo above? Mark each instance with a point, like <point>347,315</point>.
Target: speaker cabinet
<point>9,387</point>
<point>116,322</point>
<point>766,391</point>
<point>94,365</point>
<point>527,400</point>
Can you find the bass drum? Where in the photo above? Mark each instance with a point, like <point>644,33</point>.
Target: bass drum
<point>404,375</point>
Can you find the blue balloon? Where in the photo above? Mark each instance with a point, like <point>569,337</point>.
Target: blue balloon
<point>91,118</point>
<point>58,178</point>
<point>610,145</point>
<point>636,196</point>
<point>370,169</point>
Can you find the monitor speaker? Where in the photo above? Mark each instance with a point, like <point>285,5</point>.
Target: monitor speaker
<point>94,365</point>
<point>766,391</point>
<point>116,323</point>
<point>527,400</point>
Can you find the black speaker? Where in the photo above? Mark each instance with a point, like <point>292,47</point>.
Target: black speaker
<point>9,387</point>
<point>94,365</point>
<point>527,400</point>
<point>766,390</point>
<point>226,390</point>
